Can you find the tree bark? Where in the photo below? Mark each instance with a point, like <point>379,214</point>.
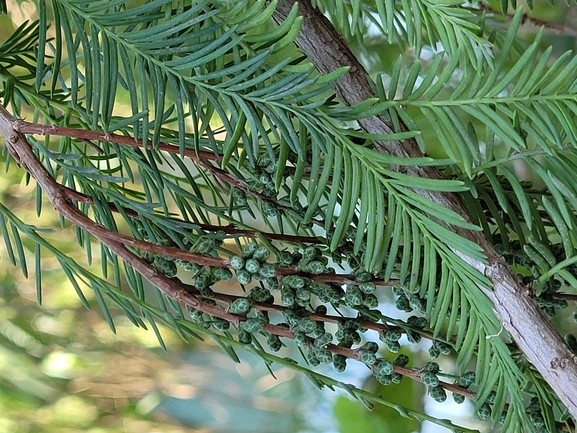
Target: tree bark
<point>513,304</point>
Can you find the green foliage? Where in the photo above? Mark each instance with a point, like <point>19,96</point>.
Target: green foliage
<point>351,418</point>
<point>238,153</point>
<point>416,23</point>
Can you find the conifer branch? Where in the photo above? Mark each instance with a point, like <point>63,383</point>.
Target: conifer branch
<point>512,301</point>
<point>61,199</point>
<point>199,158</point>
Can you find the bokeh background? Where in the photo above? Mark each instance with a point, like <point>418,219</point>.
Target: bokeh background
<point>62,369</point>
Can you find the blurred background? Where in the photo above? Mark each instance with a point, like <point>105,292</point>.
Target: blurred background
<point>62,369</point>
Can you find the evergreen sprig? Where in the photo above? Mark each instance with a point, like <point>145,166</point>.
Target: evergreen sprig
<point>234,151</point>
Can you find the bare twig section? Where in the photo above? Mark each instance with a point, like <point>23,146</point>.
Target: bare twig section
<point>82,134</point>
<point>513,304</point>
<point>565,296</point>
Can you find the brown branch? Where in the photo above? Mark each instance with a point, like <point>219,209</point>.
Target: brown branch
<point>283,331</point>
<point>325,318</point>
<point>558,28</point>
<point>59,196</point>
<point>199,158</point>
<point>87,136</point>
<point>413,374</point>
<point>350,353</point>
<point>82,134</point>
<point>117,243</point>
<point>564,296</point>
<point>229,229</point>
<point>512,302</point>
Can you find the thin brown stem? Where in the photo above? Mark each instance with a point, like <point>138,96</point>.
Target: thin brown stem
<point>564,296</point>
<point>558,28</point>
<point>82,134</point>
<point>352,354</point>
<point>200,158</point>
<point>325,318</point>
<point>60,197</point>
<point>349,353</point>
